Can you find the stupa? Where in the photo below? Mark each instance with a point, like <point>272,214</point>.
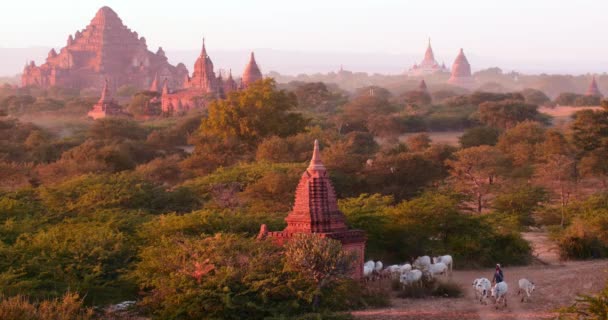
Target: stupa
<point>252,72</point>
<point>461,72</point>
<point>593,89</point>
<point>106,106</point>
<point>315,211</point>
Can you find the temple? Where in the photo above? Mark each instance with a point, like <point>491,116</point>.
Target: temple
<point>106,106</point>
<point>461,72</point>
<point>428,65</point>
<point>422,86</point>
<point>593,89</point>
<point>252,73</point>
<point>105,49</point>
<point>205,85</point>
<point>315,210</point>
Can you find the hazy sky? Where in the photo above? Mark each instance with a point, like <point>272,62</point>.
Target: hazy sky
<point>528,31</point>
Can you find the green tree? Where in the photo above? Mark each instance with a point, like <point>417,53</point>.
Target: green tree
<point>506,114</point>
<point>254,114</point>
<point>478,136</point>
<point>323,260</point>
<point>475,171</point>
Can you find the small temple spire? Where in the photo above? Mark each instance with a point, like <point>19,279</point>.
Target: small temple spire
<point>155,83</point>
<point>165,87</point>
<point>315,163</point>
<point>105,92</point>
<point>593,89</point>
<point>204,50</point>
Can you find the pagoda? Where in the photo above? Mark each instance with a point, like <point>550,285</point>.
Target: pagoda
<point>252,73</point>
<point>106,106</point>
<point>106,48</point>
<point>315,211</point>
<point>461,72</point>
<point>593,89</point>
<point>428,65</point>
<point>422,86</point>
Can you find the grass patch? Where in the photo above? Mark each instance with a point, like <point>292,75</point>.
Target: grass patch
<point>427,288</point>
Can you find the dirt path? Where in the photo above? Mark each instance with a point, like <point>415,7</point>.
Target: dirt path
<point>557,285</point>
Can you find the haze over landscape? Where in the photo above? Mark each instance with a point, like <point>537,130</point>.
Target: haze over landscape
<point>320,160</point>
<point>379,36</point>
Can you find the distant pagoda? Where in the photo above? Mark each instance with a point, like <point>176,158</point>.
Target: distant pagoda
<point>205,85</point>
<point>252,73</point>
<point>422,86</point>
<point>593,89</point>
<point>106,48</point>
<point>106,106</point>
<point>428,65</point>
<point>315,211</point>
<point>461,72</point>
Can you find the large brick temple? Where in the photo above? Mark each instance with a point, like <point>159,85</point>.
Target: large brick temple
<point>315,210</point>
<point>204,85</point>
<point>105,49</point>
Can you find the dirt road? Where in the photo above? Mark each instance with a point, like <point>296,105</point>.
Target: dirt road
<point>557,285</point>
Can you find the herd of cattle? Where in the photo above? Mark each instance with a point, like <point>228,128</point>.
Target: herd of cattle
<point>425,266</point>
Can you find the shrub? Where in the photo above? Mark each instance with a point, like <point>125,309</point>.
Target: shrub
<point>69,307</point>
<point>430,287</point>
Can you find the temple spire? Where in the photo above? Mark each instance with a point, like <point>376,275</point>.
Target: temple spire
<point>315,163</point>
<point>204,50</point>
<point>105,92</point>
<point>165,88</point>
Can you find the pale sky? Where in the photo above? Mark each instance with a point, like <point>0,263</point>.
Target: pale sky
<point>551,32</point>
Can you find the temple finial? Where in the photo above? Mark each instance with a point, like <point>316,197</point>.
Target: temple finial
<point>204,50</point>
<point>315,162</point>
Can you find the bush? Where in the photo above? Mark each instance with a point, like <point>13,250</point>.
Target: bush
<point>430,287</point>
<point>69,307</point>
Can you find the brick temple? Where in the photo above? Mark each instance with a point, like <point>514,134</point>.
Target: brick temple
<point>205,85</point>
<point>315,210</point>
<point>105,49</point>
<point>461,72</point>
<point>106,106</point>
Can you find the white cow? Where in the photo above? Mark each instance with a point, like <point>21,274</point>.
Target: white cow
<point>526,287</point>
<point>410,277</point>
<point>447,259</point>
<point>378,266</point>
<point>499,292</point>
<point>405,268</point>
<point>482,287</point>
<point>437,269</point>
<point>422,263</point>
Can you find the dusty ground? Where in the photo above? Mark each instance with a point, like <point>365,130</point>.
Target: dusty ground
<point>563,114</point>
<point>557,285</point>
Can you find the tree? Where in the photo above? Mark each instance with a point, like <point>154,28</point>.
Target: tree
<point>589,129</point>
<point>416,98</point>
<point>566,99</point>
<point>321,259</point>
<point>558,169</point>
<point>522,142</point>
<point>506,114</point>
<point>536,97</point>
<point>116,129</point>
<point>357,112</point>
<point>588,307</point>
<point>475,171</point>
<point>224,276</point>
<point>419,142</point>
<point>145,103</point>
<point>253,114</point>
<point>478,136</point>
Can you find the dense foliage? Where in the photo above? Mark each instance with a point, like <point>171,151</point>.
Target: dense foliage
<point>165,210</point>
